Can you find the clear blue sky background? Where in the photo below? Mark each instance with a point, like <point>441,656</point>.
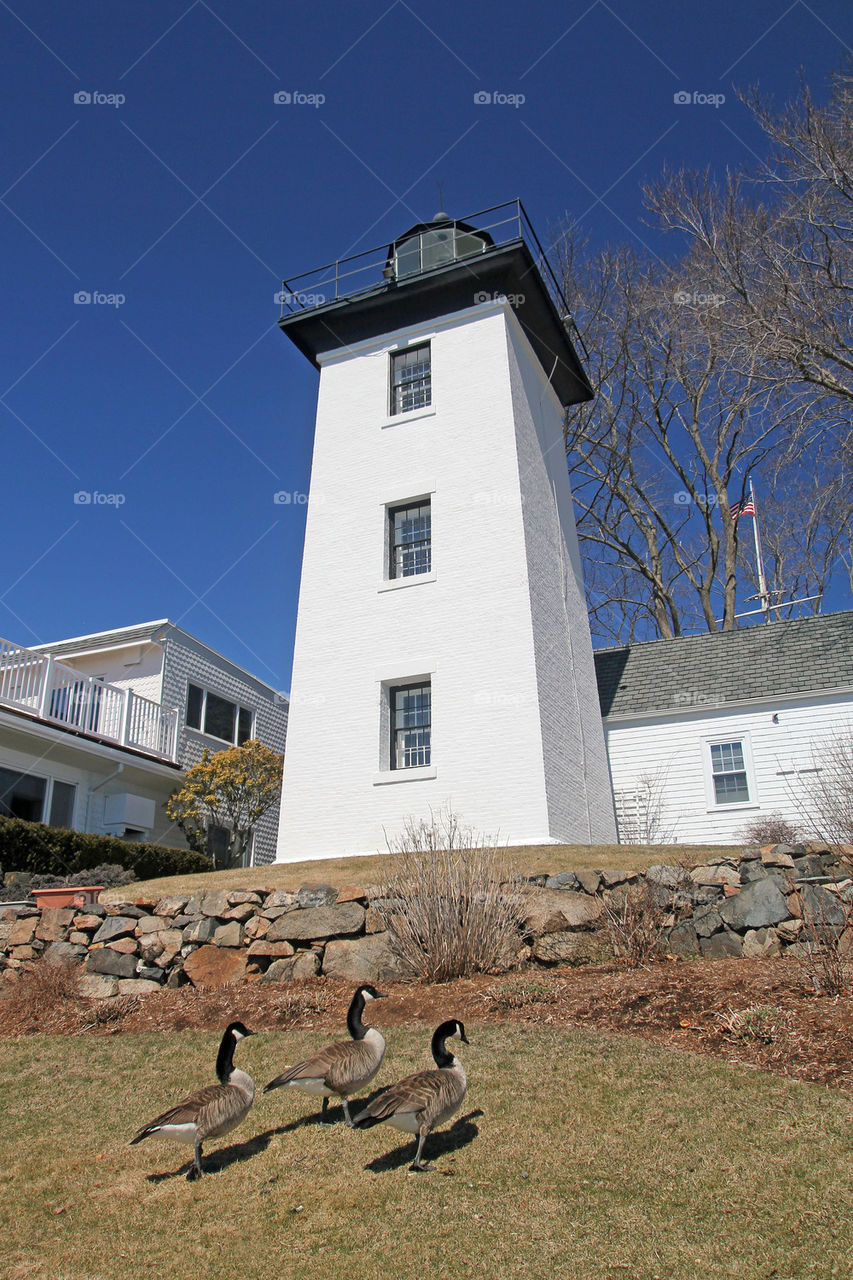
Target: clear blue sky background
<point>195,195</point>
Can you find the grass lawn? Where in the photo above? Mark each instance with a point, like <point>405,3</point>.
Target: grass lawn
<point>575,1156</point>
<point>526,860</point>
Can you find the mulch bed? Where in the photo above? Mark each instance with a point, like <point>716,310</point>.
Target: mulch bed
<point>681,1004</point>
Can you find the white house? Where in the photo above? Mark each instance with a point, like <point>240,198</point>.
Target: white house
<point>96,731</point>
<point>707,732</point>
<point>443,653</point>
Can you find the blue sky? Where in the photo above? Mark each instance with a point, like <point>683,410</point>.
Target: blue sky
<point>181,193</point>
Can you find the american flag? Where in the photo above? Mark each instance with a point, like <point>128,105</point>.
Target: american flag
<point>745,508</point>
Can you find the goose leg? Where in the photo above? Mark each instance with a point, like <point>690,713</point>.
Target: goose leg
<point>347,1115</point>
<point>327,1124</point>
<point>419,1166</point>
<point>196,1171</point>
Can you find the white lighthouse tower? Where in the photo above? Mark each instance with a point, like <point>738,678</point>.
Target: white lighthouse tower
<point>443,653</point>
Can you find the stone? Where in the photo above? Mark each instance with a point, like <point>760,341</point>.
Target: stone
<point>115,927</point>
<point>124,909</point>
<point>88,922</point>
<point>351,893</point>
<point>269,950</point>
<point>214,903</point>
<point>77,938</point>
<point>750,854</point>
<point>105,960</point>
<point>24,953</point>
<point>720,873</point>
<point>707,920</point>
<point>779,856</point>
<point>305,964</point>
<point>281,898</point>
<point>809,865</point>
<point>820,905</point>
<point>211,966</point>
<point>374,921</point>
<point>200,931</point>
<point>172,905</point>
<point>316,895</point>
<point>137,987</point>
<point>97,986</point>
<point>369,959</point>
<point>563,880</point>
<point>22,932</point>
<point>668,876</point>
<point>555,910</point>
<point>61,952</point>
<point>720,945</point>
<point>314,923</point>
<point>241,913</point>
<point>683,940</point>
<point>611,878</point>
<point>757,905</point>
<point>589,881</point>
<point>125,946</point>
<point>148,924</point>
<point>177,978</point>
<point>55,923</point>
<point>229,935</point>
<point>238,897</point>
<point>569,947</point>
<point>257,927</point>
<point>789,930</point>
<point>761,942</point>
<point>150,973</point>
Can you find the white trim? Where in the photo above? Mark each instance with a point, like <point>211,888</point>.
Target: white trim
<point>410,674</point>
<point>421,774</point>
<point>710,708</point>
<point>413,580</point>
<point>397,419</point>
<point>741,737</point>
<point>131,756</point>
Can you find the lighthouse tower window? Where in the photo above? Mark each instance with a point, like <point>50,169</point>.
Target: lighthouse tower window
<point>411,717</point>
<point>411,386</point>
<point>410,539</point>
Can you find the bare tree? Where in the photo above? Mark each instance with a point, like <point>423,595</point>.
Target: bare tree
<point>672,432</point>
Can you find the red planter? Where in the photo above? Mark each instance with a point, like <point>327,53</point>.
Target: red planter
<point>68,897</point>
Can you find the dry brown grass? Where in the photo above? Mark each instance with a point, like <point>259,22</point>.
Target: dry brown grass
<point>538,859</point>
<point>574,1155</point>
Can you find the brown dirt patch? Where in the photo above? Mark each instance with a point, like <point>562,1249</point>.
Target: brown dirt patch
<point>683,1005</point>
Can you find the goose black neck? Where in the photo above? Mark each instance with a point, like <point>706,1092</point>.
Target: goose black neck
<point>225,1058</point>
<point>441,1054</point>
<point>355,1026</point>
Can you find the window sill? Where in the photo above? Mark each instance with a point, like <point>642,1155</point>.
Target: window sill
<point>733,808</point>
<point>209,737</point>
<point>413,415</point>
<point>396,584</point>
<point>405,775</point>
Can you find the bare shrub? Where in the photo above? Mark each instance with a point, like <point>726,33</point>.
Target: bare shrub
<point>40,999</point>
<point>758,1022</point>
<point>826,960</point>
<point>768,828</point>
<point>825,802</point>
<point>636,920</point>
<point>445,907</point>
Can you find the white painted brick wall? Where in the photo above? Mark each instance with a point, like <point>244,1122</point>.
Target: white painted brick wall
<point>471,628</point>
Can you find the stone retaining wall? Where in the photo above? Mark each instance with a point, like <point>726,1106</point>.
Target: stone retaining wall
<point>763,902</point>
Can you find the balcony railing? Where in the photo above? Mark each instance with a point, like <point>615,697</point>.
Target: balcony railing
<point>37,683</point>
<point>368,271</point>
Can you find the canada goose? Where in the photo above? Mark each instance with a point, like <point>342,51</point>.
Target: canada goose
<point>421,1101</point>
<point>344,1067</point>
<point>212,1111</point>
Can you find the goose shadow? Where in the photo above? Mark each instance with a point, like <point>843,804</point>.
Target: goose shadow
<point>223,1157</point>
<point>460,1133</point>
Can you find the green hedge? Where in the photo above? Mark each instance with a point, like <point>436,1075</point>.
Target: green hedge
<point>56,851</point>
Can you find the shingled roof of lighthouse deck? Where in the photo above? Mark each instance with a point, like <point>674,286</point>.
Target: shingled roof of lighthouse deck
<point>804,655</point>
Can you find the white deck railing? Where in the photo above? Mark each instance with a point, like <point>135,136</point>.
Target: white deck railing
<point>37,683</point>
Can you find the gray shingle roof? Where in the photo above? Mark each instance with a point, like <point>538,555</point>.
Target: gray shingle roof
<point>804,655</point>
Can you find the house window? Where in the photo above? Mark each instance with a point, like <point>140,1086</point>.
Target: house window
<point>410,540</point>
<point>411,721</point>
<point>217,716</point>
<point>728,772</point>
<point>411,381</point>
<point>36,799</point>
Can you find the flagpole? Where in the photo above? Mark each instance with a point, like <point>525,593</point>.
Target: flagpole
<point>762,582</point>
